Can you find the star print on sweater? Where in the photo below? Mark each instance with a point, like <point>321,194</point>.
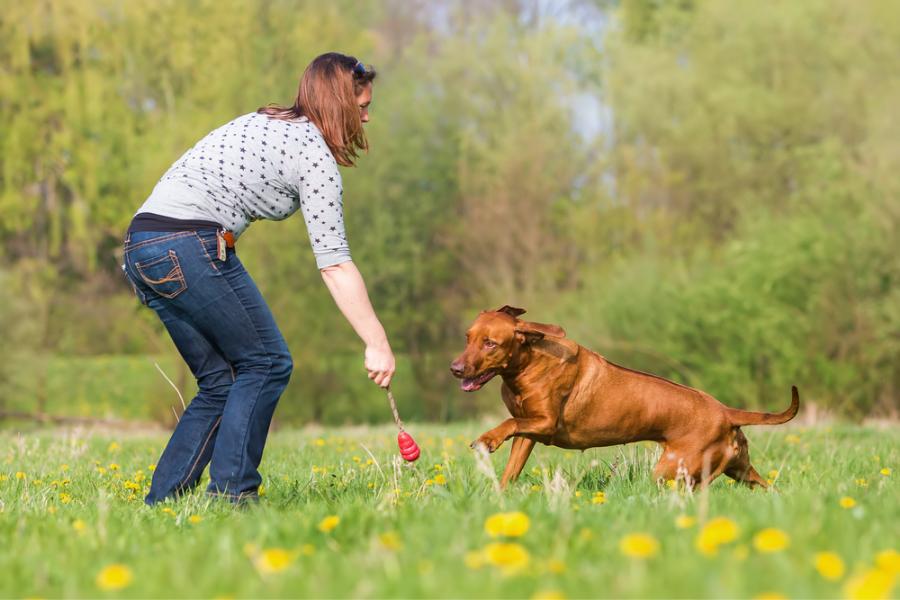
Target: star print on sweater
<point>253,168</point>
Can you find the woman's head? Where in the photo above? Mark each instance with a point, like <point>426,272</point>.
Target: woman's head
<point>334,93</point>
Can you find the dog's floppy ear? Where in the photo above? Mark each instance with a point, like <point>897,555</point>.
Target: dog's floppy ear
<point>511,310</point>
<point>533,332</point>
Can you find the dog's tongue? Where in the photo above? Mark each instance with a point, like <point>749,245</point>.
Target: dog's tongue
<point>470,385</point>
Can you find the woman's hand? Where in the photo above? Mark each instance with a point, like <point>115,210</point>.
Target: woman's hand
<point>381,364</point>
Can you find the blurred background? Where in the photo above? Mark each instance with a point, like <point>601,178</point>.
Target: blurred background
<point>707,191</point>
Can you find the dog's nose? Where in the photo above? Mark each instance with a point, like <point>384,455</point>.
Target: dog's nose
<point>457,368</point>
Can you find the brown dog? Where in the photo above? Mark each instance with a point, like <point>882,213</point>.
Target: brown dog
<point>563,395</point>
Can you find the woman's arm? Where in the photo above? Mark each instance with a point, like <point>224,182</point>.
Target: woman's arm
<point>349,292</point>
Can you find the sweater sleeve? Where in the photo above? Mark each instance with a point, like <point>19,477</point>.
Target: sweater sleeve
<point>321,202</point>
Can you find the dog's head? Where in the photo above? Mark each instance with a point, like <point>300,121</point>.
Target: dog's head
<point>493,343</point>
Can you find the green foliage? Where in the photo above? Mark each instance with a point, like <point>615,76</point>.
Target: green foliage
<point>706,191</point>
<point>755,164</point>
<point>404,533</point>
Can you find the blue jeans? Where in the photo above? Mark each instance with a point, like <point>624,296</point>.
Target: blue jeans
<point>226,334</point>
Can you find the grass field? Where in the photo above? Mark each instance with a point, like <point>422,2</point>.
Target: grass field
<point>341,517</point>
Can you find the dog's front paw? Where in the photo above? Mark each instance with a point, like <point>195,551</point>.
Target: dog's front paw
<point>487,442</point>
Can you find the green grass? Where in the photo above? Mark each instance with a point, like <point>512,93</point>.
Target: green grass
<point>401,536</point>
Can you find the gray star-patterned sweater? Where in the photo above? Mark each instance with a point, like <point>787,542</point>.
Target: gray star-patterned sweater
<point>259,168</point>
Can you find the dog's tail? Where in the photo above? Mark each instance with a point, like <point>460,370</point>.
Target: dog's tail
<point>746,417</point>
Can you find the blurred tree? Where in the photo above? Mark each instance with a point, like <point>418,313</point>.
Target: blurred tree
<point>707,191</point>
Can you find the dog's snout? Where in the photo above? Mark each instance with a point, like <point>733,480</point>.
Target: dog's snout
<point>457,368</point>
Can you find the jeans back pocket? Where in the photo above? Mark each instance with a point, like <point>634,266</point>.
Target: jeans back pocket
<point>163,275</point>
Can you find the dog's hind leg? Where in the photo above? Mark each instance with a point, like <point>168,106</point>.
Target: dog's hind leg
<point>696,469</point>
<point>740,468</point>
<point>518,456</point>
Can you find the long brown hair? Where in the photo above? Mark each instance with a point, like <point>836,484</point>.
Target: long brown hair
<point>327,97</point>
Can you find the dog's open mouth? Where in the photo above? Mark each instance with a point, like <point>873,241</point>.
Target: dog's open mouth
<point>470,385</point>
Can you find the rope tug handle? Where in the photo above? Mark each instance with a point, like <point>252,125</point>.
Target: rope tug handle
<point>394,408</point>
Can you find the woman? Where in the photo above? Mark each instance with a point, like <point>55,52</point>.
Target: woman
<point>180,258</point>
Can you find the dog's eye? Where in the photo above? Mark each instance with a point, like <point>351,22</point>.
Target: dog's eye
<point>490,345</point>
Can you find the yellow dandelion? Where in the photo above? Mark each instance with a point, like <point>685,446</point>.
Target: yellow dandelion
<point>356,459</point>
<point>885,471</point>
<point>425,567</point>
<point>329,523</point>
<point>439,479</point>
<point>429,482</point>
<point>390,540</point>
<point>78,525</point>
<point>717,532</point>
<point>829,565</point>
<point>20,475</point>
<point>888,561</point>
<point>556,566</point>
<point>114,467</point>
<point>320,442</point>
<point>639,545</point>
<point>598,500</point>
<point>262,491</point>
<point>274,560</point>
<point>685,522</point>
<point>151,467</point>
<point>64,467</point>
<point>578,494</point>
<point>576,507</point>
<point>3,478</point>
<point>250,549</point>
<point>509,555</point>
<point>512,524</point>
<point>114,577</point>
<point>771,540</point>
<point>101,470</point>
<point>195,518</point>
<point>874,583</point>
<point>586,534</point>
<point>114,447</point>
<point>448,442</point>
<point>474,559</point>
<point>770,596</point>
<point>548,595</point>
<point>773,473</point>
<point>847,502</point>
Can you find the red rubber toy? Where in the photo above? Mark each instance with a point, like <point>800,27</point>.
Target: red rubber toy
<point>409,451</point>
